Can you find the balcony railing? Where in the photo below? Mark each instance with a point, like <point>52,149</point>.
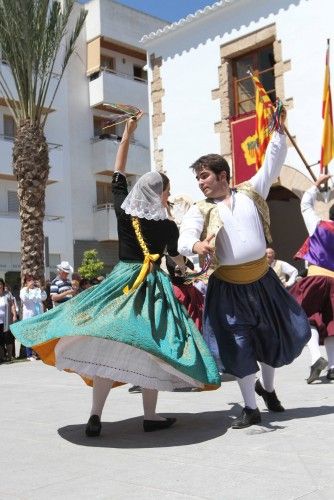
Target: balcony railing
<point>52,145</point>
<point>48,218</point>
<point>117,73</point>
<point>103,206</point>
<point>115,138</point>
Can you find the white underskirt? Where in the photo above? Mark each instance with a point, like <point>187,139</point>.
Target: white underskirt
<point>91,357</point>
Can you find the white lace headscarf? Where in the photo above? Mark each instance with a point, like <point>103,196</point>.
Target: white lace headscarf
<point>144,199</point>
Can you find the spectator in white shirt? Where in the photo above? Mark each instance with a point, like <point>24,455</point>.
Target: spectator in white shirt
<point>32,297</point>
<point>282,269</point>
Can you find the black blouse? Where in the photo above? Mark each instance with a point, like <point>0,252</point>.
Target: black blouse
<point>158,235</point>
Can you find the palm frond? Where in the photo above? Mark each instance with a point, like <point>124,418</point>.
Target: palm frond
<point>32,34</point>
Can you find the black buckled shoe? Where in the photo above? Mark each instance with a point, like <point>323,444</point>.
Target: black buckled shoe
<point>316,369</point>
<point>330,374</point>
<point>158,425</point>
<point>270,398</point>
<point>93,427</point>
<point>247,418</point>
<point>134,389</point>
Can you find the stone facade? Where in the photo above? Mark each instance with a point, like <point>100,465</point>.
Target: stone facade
<point>158,117</point>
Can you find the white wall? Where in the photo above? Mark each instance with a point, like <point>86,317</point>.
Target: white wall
<point>191,56</point>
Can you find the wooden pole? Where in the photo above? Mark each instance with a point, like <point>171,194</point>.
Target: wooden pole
<point>293,142</point>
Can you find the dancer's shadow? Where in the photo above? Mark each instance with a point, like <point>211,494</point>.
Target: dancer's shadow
<point>190,428</point>
<point>268,417</point>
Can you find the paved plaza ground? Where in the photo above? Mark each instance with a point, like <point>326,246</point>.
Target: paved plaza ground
<point>44,453</point>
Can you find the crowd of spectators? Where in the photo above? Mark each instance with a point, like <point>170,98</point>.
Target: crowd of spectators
<point>35,298</point>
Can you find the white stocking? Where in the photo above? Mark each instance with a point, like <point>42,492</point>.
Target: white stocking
<point>267,375</point>
<point>150,397</point>
<point>313,345</point>
<point>247,387</point>
<point>101,389</point>
<point>329,344</point>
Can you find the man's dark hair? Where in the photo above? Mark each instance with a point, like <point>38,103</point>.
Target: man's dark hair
<point>213,162</point>
<point>331,213</point>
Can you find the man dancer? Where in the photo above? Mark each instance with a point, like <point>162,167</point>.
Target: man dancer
<point>315,293</point>
<point>249,316</point>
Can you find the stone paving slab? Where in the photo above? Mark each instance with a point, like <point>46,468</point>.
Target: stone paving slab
<point>44,453</point>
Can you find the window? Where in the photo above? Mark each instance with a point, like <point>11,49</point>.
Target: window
<point>261,62</point>
<point>9,127</point>
<point>107,63</point>
<point>103,193</point>
<point>139,73</point>
<point>13,202</point>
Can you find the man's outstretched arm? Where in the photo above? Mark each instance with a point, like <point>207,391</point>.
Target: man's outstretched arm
<point>273,162</point>
<point>310,217</point>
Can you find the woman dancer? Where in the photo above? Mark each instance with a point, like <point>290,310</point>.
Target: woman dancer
<point>130,328</point>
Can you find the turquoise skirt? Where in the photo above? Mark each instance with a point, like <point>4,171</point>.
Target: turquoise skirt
<point>145,337</point>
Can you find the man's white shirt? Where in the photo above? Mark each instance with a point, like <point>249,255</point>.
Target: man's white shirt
<point>241,239</point>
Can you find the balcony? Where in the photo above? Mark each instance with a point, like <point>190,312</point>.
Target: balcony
<point>105,222</point>
<point>104,154</point>
<point>55,158</point>
<point>10,226</point>
<point>110,87</point>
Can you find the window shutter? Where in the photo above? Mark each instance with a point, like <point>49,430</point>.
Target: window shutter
<point>13,202</point>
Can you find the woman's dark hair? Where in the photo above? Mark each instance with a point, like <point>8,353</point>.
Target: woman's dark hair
<point>213,162</point>
<point>331,213</point>
<point>2,282</point>
<point>165,181</point>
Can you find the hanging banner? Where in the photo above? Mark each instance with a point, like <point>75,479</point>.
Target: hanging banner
<point>243,147</point>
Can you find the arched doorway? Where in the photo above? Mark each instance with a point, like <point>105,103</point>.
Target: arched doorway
<point>287,225</point>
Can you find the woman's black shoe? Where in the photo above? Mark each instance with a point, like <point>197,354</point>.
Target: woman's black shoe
<point>93,427</point>
<point>330,374</point>
<point>271,400</point>
<point>134,389</point>
<point>157,425</point>
<point>247,418</point>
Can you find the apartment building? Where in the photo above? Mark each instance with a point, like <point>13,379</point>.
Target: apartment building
<point>108,67</point>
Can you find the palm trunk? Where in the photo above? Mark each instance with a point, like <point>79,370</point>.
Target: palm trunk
<point>31,167</point>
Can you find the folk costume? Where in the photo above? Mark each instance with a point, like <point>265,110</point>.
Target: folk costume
<point>315,292</point>
<point>249,316</point>
<point>186,292</point>
<point>130,328</point>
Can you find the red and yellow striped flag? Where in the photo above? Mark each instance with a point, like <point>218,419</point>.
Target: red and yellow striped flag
<point>327,146</point>
<point>264,110</point>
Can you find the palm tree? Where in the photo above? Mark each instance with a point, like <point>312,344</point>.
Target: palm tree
<point>34,39</point>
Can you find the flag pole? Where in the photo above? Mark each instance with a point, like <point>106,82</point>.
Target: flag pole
<point>293,142</point>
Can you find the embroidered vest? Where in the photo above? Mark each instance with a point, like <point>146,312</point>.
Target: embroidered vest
<point>213,222</point>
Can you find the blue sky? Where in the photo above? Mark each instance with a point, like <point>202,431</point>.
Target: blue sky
<point>170,10</point>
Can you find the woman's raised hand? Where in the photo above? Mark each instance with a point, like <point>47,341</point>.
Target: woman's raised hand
<point>132,122</point>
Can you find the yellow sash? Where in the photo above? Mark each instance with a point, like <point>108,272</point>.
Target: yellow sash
<point>319,271</point>
<point>149,258</point>
<point>144,270</point>
<point>243,274</point>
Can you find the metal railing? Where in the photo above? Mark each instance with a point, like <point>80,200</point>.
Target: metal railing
<point>96,75</point>
<point>47,217</point>
<point>103,206</point>
<point>116,139</point>
<point>52,145</point>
